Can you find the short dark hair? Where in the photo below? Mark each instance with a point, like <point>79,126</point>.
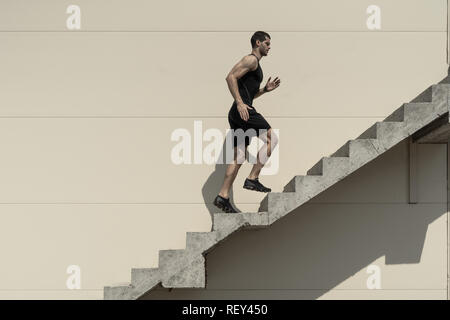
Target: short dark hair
<point>258,35</point>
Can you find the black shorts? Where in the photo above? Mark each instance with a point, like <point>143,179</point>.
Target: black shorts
<point>255,121</point>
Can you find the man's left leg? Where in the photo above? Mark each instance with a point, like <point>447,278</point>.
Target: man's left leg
<point>270,142</point>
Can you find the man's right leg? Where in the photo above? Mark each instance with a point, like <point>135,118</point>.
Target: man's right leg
<point>222,200</point>
<point>232,170</point>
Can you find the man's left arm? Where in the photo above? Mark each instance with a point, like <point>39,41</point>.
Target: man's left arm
<point>260,92</point>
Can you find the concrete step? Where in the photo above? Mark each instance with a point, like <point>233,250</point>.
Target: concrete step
<point>433,93</point>
<point>192,275</point>
<point>278,204</point>
<point>307,187</point>
<point>201,241</point>
<point>352,148</point>
<point>419,115</point>
<point>333,168</point>
<point>397,116</point>
<point>343,151</point>
<point>144,275</point>
<point>170,258</point>
<point>380,129</point>
<point>234,221</point>
<point>143,280</point>
<point>226,221</point>
<point>439,92</point>
<point>387,134</point>
<point>174,260</point>
<point>118,292</point>
<point>304,184</point>
<point>256,220</point>
<point>407,111</point>
<point>360,151</point>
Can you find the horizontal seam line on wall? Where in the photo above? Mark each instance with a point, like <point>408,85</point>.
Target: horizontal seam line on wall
<point>225,31</point>
<point>196,117</point>
<point>238,289</point>
<point>247,289</point>
<point>51,289</point>
<point>196,203</point>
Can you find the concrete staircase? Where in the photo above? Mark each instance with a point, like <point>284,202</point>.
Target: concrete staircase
<point>185,268</point>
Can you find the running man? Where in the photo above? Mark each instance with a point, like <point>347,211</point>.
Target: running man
<point>243,81</point>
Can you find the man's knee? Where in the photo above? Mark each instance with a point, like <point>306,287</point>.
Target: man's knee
<point>271,138</point>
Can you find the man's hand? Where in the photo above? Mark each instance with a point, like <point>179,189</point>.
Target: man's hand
<point>271,85</point>
<point>243,112</point>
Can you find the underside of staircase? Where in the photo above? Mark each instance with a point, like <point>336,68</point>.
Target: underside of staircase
<point>185,268</point>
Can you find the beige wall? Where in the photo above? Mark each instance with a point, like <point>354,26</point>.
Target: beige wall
<point>86,119</point>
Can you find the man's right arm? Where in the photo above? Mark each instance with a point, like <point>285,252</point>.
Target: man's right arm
<point>246,64</point>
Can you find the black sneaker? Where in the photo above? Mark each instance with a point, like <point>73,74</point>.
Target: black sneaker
<point>224,204</point>
<point>255,185</point>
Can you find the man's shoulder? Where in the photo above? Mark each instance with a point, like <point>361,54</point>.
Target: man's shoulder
<point>251,61</point>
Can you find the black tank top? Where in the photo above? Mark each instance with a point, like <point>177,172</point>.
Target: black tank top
<point>249,83</point>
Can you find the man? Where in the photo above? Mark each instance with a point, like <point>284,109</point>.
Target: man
<point>244,82</point>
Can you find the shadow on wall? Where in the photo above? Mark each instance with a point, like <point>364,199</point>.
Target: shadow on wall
<point>214,182</point>
<point>327,240</point>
